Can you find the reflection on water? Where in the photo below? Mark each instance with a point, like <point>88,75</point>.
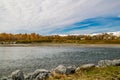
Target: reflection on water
<point>30,58</point>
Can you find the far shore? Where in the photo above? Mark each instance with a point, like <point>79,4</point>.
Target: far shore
<point>59,44</point>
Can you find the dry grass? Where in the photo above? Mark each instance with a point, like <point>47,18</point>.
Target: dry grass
<point>104,73</point>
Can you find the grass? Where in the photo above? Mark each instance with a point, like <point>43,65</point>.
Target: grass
<point>103,73</point>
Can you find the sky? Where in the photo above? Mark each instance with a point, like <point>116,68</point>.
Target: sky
<point>59,16</point>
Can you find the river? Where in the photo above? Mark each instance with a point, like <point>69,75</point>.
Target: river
<point>31,58</point>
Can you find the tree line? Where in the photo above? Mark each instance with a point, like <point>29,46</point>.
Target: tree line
<point>9,38</point>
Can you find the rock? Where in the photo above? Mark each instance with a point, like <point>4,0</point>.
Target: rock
<point>38,71</point>
<point>28,77</point>
<point>39,74</point>
<point>104,63</point>
<point>85,66</point>
<point>116,62</point>
<point>4,78</point>
<point>17,75</point>
<point>77,69</point>
<point>61,69</point>
<point>42,76</point>
<point>71,69</point>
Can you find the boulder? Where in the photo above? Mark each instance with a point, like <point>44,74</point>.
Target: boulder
<point>42,76</point>
<point>17,75</point>
<point>61,69</point>
<point>39,71</point>
<point>28,77</point>
<point>4,78</point>
<point>85,66</point>
<point>70,69</point>
<point>39,74</point>
<point>77,69</point>
<point>116,62</point>
<point>104,63</point>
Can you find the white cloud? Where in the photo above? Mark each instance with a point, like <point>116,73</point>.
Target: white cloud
<point>44,16</point>
<point>93,30</point>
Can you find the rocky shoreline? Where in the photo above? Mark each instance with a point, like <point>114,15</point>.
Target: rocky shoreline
<point>43,74</point>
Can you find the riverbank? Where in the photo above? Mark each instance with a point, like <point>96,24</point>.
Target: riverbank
<point>104,70</point>
<point>59,44</point>
<point>104,73</point>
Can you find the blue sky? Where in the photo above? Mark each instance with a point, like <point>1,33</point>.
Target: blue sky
<point>92,25</point>
<point>59,16</point>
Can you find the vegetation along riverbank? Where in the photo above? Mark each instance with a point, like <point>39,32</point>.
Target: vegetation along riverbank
<point>105,70</point>
<point>24,38</point>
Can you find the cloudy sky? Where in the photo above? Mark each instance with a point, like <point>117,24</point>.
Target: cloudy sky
<point>59,16</point>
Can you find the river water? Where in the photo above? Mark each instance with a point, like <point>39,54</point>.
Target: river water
<point>29,59</point>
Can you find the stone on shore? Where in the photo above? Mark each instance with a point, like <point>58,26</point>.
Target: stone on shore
<point>85,66</point>
<point>43,74</point>
<point>71,69</point>
<point>39,74</point>
<point>28,76</point>
<point>17,75</point>
<point>116,62</point>
<point>104,63</point>
<point>61,69</point>
<point>4,78</point>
